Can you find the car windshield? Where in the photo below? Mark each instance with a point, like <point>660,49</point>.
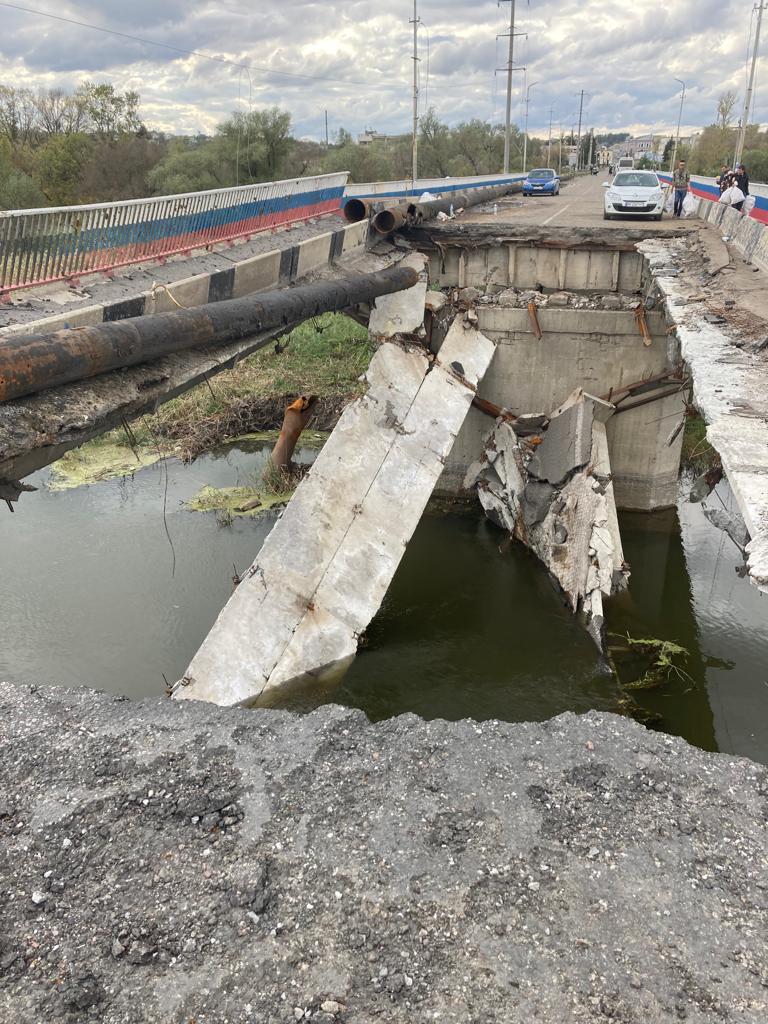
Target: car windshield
<point>636,179</point>
<point>543,174</point>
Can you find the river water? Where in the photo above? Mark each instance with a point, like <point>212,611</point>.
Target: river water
<point>93,592</point>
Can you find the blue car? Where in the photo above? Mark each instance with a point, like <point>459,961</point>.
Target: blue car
<point>542,181</point>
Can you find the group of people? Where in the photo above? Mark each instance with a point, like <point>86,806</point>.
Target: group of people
<point>733,185</point>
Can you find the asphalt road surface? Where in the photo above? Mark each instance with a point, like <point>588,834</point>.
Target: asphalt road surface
<point>580,204</point>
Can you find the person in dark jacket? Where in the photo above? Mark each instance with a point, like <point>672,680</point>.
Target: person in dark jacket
<point>742,179</point>
<point>722,179</point>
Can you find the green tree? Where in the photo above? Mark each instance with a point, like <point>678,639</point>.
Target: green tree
<point>110,113</point>
<point>435,146</point>
<point>17,189</point>
<point>58,166</point>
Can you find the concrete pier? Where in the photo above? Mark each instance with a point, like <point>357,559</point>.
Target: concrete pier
<point>594,349</point>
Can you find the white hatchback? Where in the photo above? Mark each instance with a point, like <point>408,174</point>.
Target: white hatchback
<point>634,193</point>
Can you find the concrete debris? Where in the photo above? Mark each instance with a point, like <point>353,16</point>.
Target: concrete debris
<point>401,312</point>
<point>729,522</point>
<point>434,301</point>
<point>730,390</point>
<point>537,501</point>
<point>567,444</point>
<point>327,564</point>
<point>559,502</point>
<point>468,296</point>
<point>516,298</point>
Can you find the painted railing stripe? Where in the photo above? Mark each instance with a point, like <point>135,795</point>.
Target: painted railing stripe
<point>37,246</point>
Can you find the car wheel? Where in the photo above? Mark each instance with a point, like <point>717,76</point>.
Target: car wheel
<point>607,216</point>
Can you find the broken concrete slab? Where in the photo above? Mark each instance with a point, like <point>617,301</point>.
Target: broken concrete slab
<point>572,527</point>
<point>729,522</point>
<point>730,389</point>
<point>325,567</point>
<point>567,444</point>
<point>401,312</point>
<point>537,499</point>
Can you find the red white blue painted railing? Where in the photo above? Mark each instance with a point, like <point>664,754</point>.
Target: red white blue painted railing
<point>37,246</point>
<point>705,188</point>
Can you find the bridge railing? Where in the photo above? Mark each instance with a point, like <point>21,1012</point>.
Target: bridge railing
<point>52,244</point>
<point>443,186</point>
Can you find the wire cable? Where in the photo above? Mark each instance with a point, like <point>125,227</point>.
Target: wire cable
<point>178,49</point>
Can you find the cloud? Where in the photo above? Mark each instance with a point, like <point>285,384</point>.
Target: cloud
<point>625,58</point>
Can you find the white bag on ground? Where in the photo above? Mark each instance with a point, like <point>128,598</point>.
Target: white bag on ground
<point>690,205</point>
<point>669,206</point>
<point>749,205</point>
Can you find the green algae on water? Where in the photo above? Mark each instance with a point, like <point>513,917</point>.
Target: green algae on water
<point>229,502</point>
<point>97,461</point>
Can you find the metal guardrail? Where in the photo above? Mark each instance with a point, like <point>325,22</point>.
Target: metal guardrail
<point>39,246</point>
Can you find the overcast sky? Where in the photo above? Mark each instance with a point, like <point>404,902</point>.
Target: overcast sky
<point>625,57</point>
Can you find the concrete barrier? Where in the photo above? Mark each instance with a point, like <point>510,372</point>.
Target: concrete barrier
<point>259,273</point>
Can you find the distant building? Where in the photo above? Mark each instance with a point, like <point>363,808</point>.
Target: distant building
<point>369,137</point>
<point>650,146</point>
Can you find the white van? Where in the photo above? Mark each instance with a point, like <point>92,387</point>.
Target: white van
<point>626,163</point>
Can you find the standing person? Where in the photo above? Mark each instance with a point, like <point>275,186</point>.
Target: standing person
<point>681,182</point>
<point>742,179</point>
<point>722,179</point>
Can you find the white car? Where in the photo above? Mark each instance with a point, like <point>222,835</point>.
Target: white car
<point>639,193</point>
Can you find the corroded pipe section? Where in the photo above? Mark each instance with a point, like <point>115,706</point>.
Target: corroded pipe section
<point>387,221</point>
<point>355,210</point>
<point>41,361</point>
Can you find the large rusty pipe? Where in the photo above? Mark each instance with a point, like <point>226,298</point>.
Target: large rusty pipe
<point>391,218</point>
<point>40,361</point>
<point>355,210</point>
<point>387,221</point>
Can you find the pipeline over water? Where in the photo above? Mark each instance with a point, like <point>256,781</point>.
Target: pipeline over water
<point>40,361</point>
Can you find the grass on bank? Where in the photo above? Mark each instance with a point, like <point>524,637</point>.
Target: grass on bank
<point>697,453</point>
<point>325,356</point>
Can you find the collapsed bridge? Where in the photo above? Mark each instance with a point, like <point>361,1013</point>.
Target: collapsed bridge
<point>533,333</point>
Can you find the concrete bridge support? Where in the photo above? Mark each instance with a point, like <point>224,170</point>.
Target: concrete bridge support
<point>596,350</point>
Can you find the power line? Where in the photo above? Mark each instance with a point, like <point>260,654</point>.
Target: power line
<point>178,49</point>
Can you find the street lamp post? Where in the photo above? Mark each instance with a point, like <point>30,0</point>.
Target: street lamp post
<point>525,137</point>
<point>679,121</point>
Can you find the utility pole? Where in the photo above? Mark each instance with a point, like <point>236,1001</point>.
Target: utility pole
<point>578,144</point>
<point>525,136</point>
<point>414,151</point>
<point>591,145</point>
<point>326,129</point>
<point>750,87</point>
<point>549,140</point>
<point>508,120</point>
<point>679,119</point>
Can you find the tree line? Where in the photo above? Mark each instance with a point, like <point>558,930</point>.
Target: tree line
<point>91,145</point>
